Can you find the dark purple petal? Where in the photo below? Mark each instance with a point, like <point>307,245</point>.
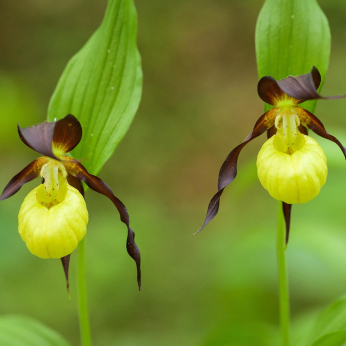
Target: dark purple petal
<point>228,170</point>
<point>287,215</point>
<point>313,123</point>
<point>303,87</point>
<point>39,138</point>
<point>65,134</point>
<point>65,264</point>
<point>29,173</point>
<point>79,171</point>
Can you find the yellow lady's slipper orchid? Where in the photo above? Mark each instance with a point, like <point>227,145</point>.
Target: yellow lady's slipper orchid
<point>53,229</point>
<point>53,216</point>
<point>294,176</point>
<point>291,165</point>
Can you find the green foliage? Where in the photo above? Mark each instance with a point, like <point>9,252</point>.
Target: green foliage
<point>25,331</point>
<point>332,339</point>
<point>332,319</point>
<point>102,85</point>
<point>291,37</point>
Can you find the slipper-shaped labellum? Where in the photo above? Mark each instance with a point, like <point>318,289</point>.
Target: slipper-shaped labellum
<point>53,217</point>
<point>291,165</point>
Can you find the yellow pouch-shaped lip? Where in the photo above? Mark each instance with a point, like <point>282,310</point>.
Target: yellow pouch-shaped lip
<point>292,178</point>
<point>53,232</point>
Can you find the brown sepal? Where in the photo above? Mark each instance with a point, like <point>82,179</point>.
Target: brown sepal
<point>228,170</point>
<point>39,137</point>
<point>286,208</point>
<point>65,264</point>
<point>79,171</point>
<point>300,88</point>
<point>303,87</point>
<point>65,134</point>
<point>29,173</point>
<point>269,90</point>
<point>313,123</point>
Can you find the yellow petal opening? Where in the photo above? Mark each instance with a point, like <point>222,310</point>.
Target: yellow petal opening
<point>292,177</point>
<point>53,230</point>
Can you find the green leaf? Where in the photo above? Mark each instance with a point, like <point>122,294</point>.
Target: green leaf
<point>25,331</point>
<point>332,319</point>
<point>102,85</point>
<point>292,36</point>
<point>332,339</point>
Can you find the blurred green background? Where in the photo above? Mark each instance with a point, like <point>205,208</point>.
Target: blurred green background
<point>199,101</point>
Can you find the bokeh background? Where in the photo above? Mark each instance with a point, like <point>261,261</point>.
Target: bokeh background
<point>199,101</point>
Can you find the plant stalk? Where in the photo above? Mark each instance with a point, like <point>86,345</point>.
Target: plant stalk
<point>283,279</point>
<point>82,297</point>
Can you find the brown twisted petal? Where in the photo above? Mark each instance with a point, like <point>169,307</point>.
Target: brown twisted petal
<point>65,261</point>
<point>29,173</point>
<point>228,170</point>
<point>79,171</point>
<point>65,134</point>
<point>313,123</point>
<point>286,208</point>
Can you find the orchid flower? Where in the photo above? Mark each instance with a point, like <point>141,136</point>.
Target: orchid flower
<point>53,216</point>
<point>291,165</point>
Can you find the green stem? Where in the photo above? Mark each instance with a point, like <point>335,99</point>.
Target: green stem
<point>283,281</point>
<point>82,297</point>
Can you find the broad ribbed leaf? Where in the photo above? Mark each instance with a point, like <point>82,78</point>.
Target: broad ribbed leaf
<point>332,319</point>
<point>332,339</point>
<point>102,85</point>
<point>292,36</point>
<point>25,331</point>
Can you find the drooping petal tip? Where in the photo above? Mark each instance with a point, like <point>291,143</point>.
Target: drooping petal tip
<point>133,251</point>
<point>77,170</point>
<point>228,171</point>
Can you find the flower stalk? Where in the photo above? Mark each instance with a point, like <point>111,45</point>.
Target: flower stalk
<point>283,278</point>
<point>84,323</point>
